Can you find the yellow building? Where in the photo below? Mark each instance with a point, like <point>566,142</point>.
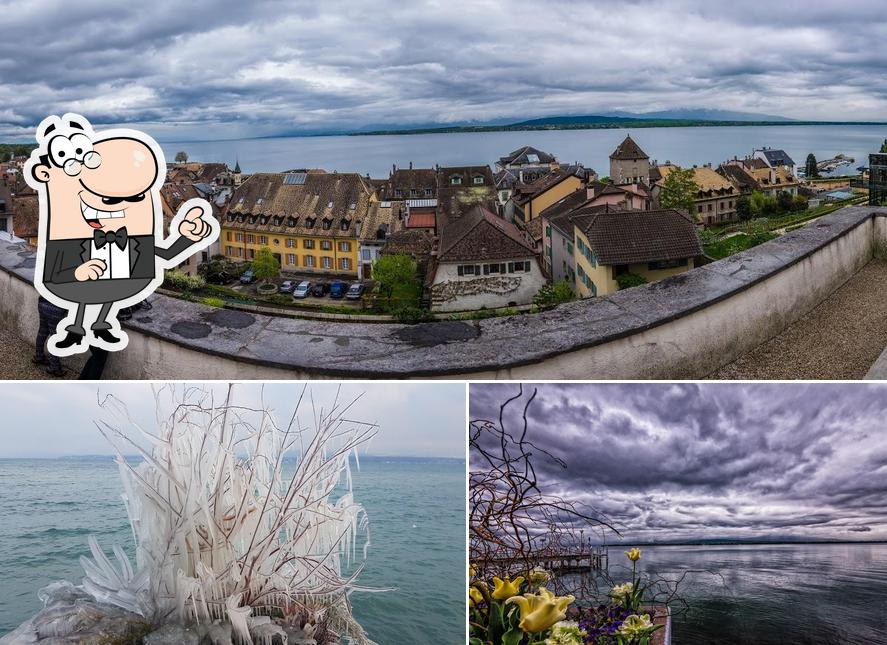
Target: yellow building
<point>311,221</point>
<point>531,199</point>
<point>651,244</point>
<point>716,196</point>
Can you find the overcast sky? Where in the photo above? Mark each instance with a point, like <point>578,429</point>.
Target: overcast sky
<point>226,69</point>
<point>669,462</point>
<point>57,419</point>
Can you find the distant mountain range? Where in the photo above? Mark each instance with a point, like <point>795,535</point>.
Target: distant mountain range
<point>683,117</point>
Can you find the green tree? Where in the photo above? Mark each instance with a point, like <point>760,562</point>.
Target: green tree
<point>679,190</point>
<point>884,147</point>
<point>784,201</point>
<point>219,270</point>
<point>394,272</point>
<point>265,265</point>
<point>743,208</point>
<point>810,168</point>
<point>181,156</point>
<point>628,280</point>
<point>554,294</point>
<point>756,202</point>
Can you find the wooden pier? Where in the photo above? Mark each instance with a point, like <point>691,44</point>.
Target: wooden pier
<point>561,560</point>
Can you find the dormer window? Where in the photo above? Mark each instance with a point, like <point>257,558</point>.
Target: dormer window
<point>309,222</point>
<point>456,180</point>
<point>429,192</point>
<point>278,220</point>
<point>329,205</point>
<point>252,219</point>
<point>327,223</point>
<point>352,206</point>
<point>263,219</point>
<point>344,225</point>
<point>478,180</point>
<point>398,192</point>
<point>291,221</point>
<point>414,192</point>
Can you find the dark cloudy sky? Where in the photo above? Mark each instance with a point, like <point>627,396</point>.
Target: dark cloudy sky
<point>203,69</point>
<point>688,461</point>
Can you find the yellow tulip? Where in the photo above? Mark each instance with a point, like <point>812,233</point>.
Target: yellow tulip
<point>505,589</point>
<point>475,597</point>
<point>538,576</point>
<point>634,554</point>
<point>636,625</point>
<point>540,611</point>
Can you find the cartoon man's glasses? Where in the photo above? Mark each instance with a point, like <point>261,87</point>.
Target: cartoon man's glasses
<point>91,160</point>
<point>73,153</point>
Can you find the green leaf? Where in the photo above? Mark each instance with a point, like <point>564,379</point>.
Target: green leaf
<point>513,636</point>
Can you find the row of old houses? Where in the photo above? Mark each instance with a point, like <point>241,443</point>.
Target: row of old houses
<point>481,237</point>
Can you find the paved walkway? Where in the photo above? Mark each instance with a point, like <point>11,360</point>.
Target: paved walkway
<point>840,339</point>
<point>16,363</point>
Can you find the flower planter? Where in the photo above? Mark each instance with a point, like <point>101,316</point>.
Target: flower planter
<point>266,289</point>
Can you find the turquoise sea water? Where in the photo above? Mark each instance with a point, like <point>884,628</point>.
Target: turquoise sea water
<point>417,523</point>
<point>685,146</point>
<point>785,594</point>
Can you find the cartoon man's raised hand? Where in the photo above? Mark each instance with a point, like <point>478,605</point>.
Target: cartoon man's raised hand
<point>194,226</point>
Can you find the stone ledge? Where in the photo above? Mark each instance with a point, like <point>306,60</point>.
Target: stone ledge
<point>450,348</point>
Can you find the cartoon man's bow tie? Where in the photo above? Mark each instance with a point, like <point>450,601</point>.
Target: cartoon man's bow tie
<point>118,237</point>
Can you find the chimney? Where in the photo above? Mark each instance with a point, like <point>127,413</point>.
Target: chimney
<point>411,165</point>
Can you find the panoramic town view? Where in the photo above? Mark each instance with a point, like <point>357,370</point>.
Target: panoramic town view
<point>502,322</point>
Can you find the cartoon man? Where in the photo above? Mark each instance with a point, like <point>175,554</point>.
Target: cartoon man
<point>100,235</point>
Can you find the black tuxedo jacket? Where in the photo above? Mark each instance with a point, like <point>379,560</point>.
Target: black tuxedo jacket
<point>64,256</point>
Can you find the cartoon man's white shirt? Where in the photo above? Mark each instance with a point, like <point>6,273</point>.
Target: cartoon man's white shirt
<point>116,260</point>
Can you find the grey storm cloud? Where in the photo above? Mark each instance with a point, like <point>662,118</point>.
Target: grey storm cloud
<point>267,67</point>
<point>690,461</point>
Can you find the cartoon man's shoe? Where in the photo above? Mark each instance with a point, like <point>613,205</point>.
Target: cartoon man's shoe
<point>71,339</point>
<point>105,335</point>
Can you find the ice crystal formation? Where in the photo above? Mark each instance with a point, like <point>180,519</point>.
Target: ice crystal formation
<point>239,521</point>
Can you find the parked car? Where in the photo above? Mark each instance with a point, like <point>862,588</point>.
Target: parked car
<point>287,286</point>
<point>302,290</point>
<point>247,277</point>
<point>320,289</point>
<point>338,289</point>
<point>355,291</point>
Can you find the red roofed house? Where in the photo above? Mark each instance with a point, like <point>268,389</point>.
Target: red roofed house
<point>482,261</point>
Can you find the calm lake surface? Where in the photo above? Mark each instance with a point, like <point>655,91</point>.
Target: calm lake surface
<point>684,146</point>
<point>417,522</point>
<point>792,594</point>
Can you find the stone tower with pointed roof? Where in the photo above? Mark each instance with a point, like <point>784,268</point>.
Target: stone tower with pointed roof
<point>237,175</point>
<point>629,164</point>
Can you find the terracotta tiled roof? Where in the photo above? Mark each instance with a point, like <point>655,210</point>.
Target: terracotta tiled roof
<point>525,192</point>
<point>300,203</point>
<point>628,150</point>
<point>411,182</point>
<point>783,176</point>
<point>706,179</point>
<point>740,177</point>
<point>480,235</point>
<point>379,222</point>
<point>25,216</point>
<point>566,204</point>
<point>534,229</point>
<point>415,242</point>
<point>630,237</point>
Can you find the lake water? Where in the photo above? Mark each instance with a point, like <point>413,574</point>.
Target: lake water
<point>684,146</point>
<point>792,594</point>
<point>417,522</point>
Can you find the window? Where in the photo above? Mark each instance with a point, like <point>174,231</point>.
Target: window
<point>308,244</point>
<point>478,180</point>
<point>429,192</point>
<point>366,255</point>
<point>570,248</point>
<point>229,236</point>
<point>414,192</point>
<point>239,237</point>
<point>345,264</point>
<point>667,264</point>
<point>309,222</point>
<point>326,262</point>
<point>455,180</point>
<point>327,224</point>
<point>468,269</point>
<point>309,261</point>
<point>344,225</point>
<point>398,192</point>
<point>345,247</point>
<point>229,250</point>
<point>239,252</point>
<point>291,259</point>
<point>290,243</point>
<point>709,208</point>
<point>291,221</point>
<point>252,254</point>
<point>250,238</point>
<point>326,245</point>
<point>263,240</point>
